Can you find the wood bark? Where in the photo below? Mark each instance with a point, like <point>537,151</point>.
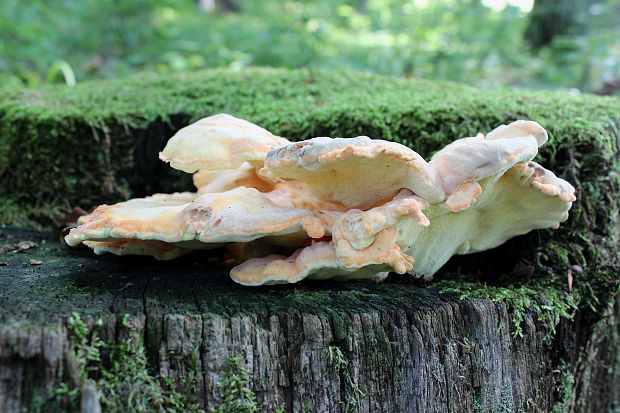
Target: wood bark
<point>406,348</point>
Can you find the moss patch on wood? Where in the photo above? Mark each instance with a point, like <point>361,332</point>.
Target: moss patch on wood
<point>98,142</point>
<point>117,367</point>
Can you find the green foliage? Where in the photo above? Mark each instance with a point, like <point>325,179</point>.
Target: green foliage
<point>120,373</point>
<point>237,396</point>
<point>565,389</point>
<point>477,405</point>
<point>337,360</point>
<point>548,303</point>
<point>464,41</point>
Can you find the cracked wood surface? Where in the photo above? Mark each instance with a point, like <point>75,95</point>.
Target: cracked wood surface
<point>406,348</point>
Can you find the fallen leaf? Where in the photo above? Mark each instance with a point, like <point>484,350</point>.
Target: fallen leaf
<point>20,246</point>
<point>26,245</point>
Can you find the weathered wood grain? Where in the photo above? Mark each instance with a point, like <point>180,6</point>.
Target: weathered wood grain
<point>406,348</point>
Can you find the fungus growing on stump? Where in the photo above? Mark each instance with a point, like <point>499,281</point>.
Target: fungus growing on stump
<point>219,142</point>
<point>349,208</point>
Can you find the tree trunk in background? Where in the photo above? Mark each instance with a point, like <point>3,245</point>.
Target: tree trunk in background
<point>609,88</point>
<point>207,5</point>
<point>550,18</point>
<point>224,6</point>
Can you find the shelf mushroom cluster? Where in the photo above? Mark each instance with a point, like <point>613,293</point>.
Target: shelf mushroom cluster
<point>354,208</point>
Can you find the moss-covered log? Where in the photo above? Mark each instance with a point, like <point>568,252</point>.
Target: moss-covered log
<point>497,331</point>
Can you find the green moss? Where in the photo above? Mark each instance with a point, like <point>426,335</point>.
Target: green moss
<point>477,405</point>
<point>564,389</point>
<point>236,394</point>
<point>548,303</point>
<point>506,403</point>
<point>98,142</point>
<point>120,373</point>
<point>352,392</point>
<point>66,142</point>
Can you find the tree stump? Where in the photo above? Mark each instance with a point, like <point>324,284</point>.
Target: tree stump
<point>533,326</point>
<point>318,347</point>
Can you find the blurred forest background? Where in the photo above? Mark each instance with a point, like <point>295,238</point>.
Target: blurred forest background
<point>573,44</point>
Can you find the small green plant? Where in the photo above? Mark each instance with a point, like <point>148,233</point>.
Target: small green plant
<point>337,360</point>
<point>467,345</point>
<point>477,406</point>
<point>349,404</point>
<point>565,389</point>
<point>66,396</point>
<point>237,396</point>
<point>120,373</point>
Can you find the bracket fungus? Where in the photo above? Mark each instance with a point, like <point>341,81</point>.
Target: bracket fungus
<point>337,208</point>
<point>219,142</point>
